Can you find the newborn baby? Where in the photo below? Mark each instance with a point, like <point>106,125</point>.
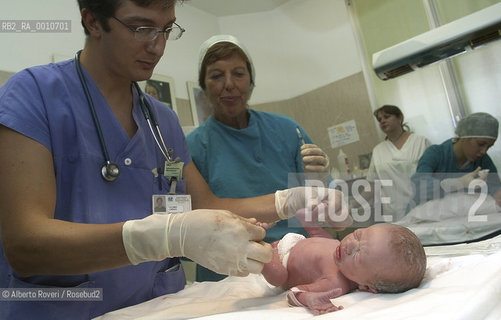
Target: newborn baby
<point>381,258</point>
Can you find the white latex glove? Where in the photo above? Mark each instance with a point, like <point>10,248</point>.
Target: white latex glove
<point>320,204</point>
<point>455,184</point>
<point>216,239</point>
<point>314,159</point>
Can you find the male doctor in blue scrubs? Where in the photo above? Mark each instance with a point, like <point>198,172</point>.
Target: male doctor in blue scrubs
<point>69,223</point>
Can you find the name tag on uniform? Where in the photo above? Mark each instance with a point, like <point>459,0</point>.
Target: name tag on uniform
<point>174,170</point>
<point>178,203</point>
<point>171,203</point>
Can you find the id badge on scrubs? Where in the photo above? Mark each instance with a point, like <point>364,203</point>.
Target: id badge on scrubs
<point>174,169</point>
<point>171,203</point>
<point>178,203</point>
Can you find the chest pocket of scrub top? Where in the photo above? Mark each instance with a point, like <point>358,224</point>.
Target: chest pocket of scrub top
<point>161,185</point>
<point>171,280</point>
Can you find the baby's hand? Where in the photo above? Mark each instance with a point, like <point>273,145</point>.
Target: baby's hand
<point>265,225</point>
<point>317,302</point>
<point>320,303</point>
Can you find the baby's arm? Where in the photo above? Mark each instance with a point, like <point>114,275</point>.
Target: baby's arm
<point>313,229</point>
<point>274,272</point>
<point>316,296</point>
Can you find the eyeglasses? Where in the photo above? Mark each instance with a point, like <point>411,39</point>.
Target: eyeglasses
<point>151,33</point>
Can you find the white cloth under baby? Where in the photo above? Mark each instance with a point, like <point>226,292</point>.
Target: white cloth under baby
<point>286,244</point>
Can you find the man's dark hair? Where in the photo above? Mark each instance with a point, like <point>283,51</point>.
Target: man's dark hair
<point>105,9</point>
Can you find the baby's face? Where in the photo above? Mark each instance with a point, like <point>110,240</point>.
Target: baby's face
<point>364,254</point>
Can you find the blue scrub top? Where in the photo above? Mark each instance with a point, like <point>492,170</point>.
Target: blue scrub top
<point>47,103</point>
<point>250,162</point>
<point>254,161</point>
<point>438,162</point>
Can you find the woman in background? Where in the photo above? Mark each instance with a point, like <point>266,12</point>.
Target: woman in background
<point>452,165</point>
<point>395,160</point>
<point>237,144</point>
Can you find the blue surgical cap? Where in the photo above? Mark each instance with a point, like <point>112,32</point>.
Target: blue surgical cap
<point>478,125</point>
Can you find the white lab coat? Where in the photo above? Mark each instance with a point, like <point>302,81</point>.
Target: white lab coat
<point>397,165</point>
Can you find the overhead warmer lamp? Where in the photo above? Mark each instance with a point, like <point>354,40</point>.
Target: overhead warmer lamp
<point>457,37</point>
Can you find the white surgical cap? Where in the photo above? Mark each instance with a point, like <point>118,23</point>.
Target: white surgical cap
<point>225,38</point>
<point>478,125</point>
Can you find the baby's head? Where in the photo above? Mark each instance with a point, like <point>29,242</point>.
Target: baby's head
<point>408,265</point>
<point>390,258</point>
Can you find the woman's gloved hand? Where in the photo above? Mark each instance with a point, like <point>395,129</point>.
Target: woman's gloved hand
<point>455,184</point>
<point>320,204</point>
<point>314,159</point>
<point>216,239</point>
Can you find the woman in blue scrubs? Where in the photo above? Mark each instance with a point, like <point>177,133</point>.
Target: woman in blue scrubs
<point>68,222</point>
<point>457,162</point>
<point>238,143</point>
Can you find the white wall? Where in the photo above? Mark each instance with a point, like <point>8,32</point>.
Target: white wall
<point>180,60</point>
<point>296,48</point>
<point>22,50</point>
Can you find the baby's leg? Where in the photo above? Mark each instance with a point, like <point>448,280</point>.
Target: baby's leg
<point>274,272</point>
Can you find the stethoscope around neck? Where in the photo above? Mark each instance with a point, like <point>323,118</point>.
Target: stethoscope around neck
<point>111,170</point>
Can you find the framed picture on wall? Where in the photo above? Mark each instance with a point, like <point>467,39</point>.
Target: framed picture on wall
<point>201,108</point>
<point>162,88</point>
<point>364,160</point>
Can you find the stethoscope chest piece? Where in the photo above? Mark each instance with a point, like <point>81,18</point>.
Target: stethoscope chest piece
<point>110,171</point>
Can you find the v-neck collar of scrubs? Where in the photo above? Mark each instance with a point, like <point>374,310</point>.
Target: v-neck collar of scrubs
<point>110,124</point>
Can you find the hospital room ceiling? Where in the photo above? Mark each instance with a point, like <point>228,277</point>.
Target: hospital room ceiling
<point>222,8</point>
